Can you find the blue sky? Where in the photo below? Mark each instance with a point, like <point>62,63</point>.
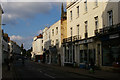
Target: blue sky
<point>26,20</point>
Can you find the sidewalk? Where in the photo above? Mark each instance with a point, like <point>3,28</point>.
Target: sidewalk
<point>5,73</point>
<point>99,74</point>
<point>8,75</point>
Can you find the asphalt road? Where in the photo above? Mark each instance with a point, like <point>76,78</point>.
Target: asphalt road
<point>32,70</point>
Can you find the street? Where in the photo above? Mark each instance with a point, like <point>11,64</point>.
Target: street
<point>32,70</point>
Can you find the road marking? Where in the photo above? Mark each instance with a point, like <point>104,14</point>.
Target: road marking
<point>49,76</point>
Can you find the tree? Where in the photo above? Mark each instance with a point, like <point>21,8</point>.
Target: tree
<point>28,52</point>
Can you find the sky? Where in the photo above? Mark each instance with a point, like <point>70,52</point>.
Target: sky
<point>25,20</point>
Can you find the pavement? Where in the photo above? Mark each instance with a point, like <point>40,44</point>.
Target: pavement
<point>53,71</point>
<point>7,74</point>
<point>99,74</point>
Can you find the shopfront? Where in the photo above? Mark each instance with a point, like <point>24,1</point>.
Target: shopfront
<point>111,50</point>
<point>68,54</point>
<point>79,52</point>
<point>87,52</point>
<point>53,54</point>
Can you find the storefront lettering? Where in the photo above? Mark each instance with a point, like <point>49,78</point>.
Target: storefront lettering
<point>114,36</point>
<point>86,41</point>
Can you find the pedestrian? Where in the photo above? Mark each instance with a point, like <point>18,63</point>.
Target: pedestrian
<point>11,59</point>
<point>92,66</point>
<point>7,61</point>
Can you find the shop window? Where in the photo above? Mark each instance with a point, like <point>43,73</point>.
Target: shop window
<point>92,54</point>
<point>67,54</point>
<point>71,57</point>
<point>111,54</point>
<point>83,56</point>
<point>73,53</point>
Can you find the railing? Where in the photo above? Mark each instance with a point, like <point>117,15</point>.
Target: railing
<point>71,39</point>
<point>108,29</point>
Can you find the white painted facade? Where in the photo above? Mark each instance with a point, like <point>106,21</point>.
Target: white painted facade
<point>14,48</point>
<point>93,11</point>
<point>51,38</point>
<point>81,19</point>
<point>52,35</point>
<point>46,38</point>
<point>37,46</point>
<point>56,36</point>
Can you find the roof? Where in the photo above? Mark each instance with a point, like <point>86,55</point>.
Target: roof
<point>40,36</point>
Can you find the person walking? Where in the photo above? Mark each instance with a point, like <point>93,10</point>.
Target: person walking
<point>7,61</point>
<point>92,66</point>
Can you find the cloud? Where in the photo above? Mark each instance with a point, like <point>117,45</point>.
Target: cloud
<point>13,37</point>
<point>23,10</point>
<point>27,41</point>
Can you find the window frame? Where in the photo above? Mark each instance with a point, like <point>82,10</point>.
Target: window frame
<point>78,29</point>
<point>71,15</point>
<point>96,20</point>
<point>52,32</point>
<point>85,5</point>
<point>78,11</point>
<point>56,30</point>
<point>86,26</point>
<point>110,23</point>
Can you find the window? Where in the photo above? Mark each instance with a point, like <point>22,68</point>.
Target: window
<point>71,30</point>
<point>110,56</point>
<point>49,35</point>
<point>42,41</point>
<point>96,2</point>
<point>96,22</point>
<point>56,30</point>
<point>110,18</point>
<point>85,5</point>
<point>57,41</point>
<point>52,32</point>
<point>42,47</point>
<point>86,24</point>
<point>78,29</point>
<point>52,42</point>
<point>77,11</point>
<point>71,15</point>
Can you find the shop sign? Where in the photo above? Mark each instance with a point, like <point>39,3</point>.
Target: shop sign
<point>86,41</point>
<point>114,36</point>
